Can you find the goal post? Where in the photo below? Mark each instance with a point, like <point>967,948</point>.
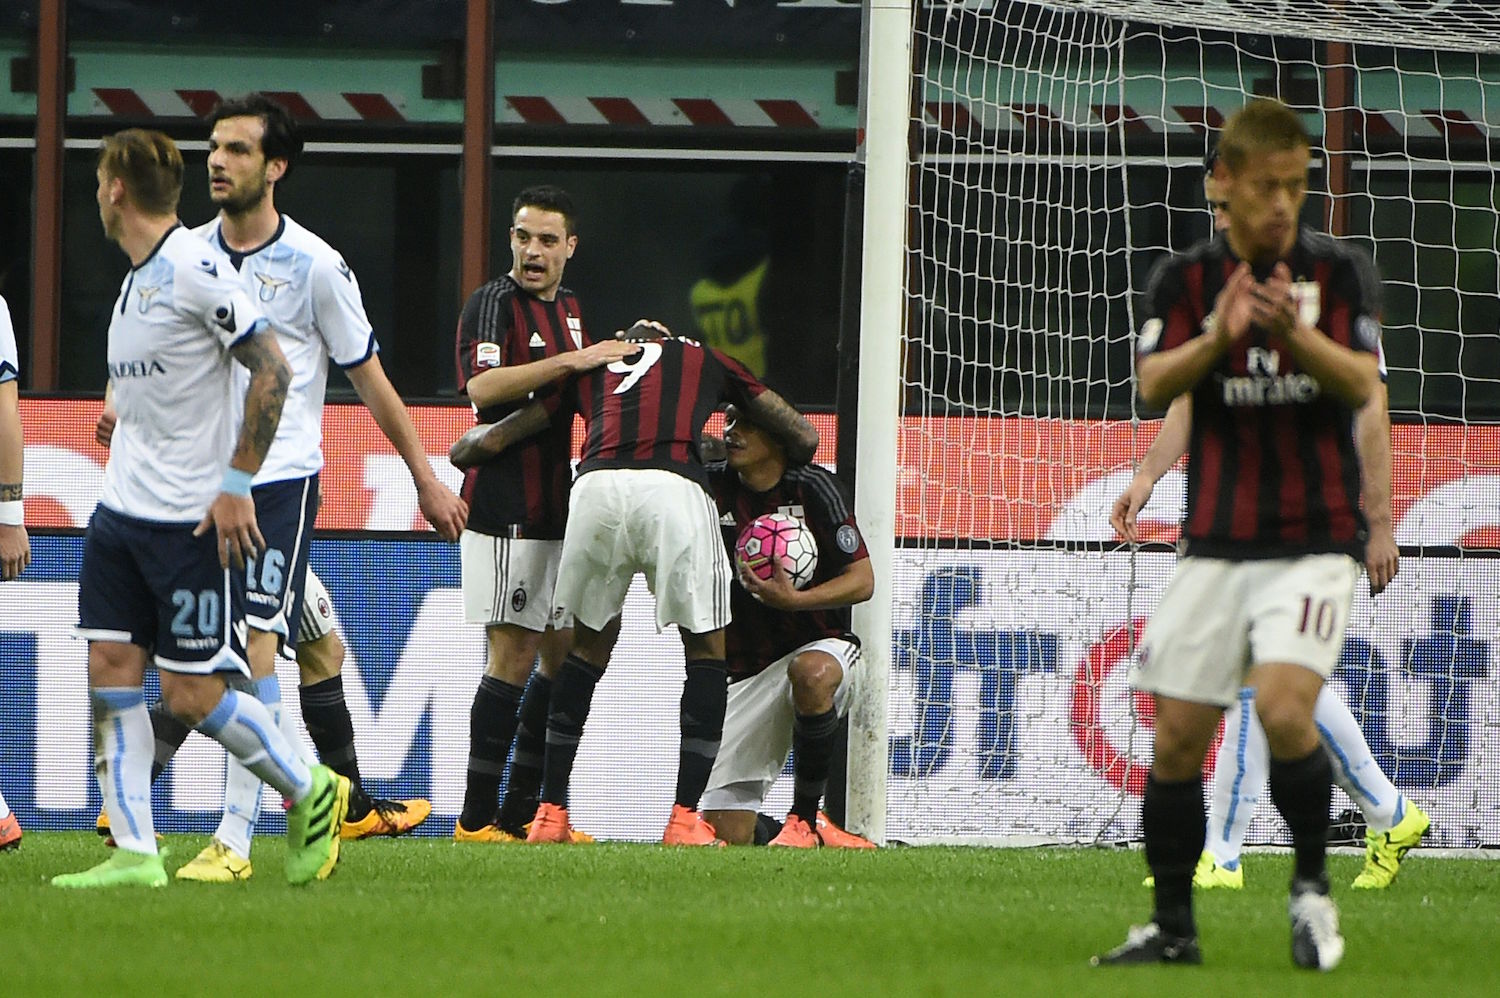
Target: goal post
<point>1045,156</point>
<point>884,112</point>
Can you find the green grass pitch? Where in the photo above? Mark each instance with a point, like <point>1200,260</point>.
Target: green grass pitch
<point>431,917</point>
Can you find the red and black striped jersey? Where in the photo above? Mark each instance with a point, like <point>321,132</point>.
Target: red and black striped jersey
<point>524,491</point>
<point>759,635</point>
<point>648,411</point>
<point>1272,469</point>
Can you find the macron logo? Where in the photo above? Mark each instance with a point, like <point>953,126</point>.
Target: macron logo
<point>224,316</point>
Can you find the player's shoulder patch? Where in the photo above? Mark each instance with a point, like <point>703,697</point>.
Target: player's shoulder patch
<point>847,538</point>
<point>487,354</point>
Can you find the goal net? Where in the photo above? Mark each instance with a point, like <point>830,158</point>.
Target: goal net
<point>1060,156</point>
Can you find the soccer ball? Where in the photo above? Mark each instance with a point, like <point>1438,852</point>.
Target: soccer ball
<point>778,535</point>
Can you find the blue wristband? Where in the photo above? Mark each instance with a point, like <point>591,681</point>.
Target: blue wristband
<point>236,482</point>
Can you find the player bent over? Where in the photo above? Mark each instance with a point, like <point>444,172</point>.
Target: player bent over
<point>641,504</point>
<point>789,651</point>
<point>155,578</point>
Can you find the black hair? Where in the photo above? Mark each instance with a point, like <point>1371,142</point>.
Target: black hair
<point>280,140</point>
<point>547,198</point>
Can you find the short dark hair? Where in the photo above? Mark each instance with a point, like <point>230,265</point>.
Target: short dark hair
<point>547,198</point>
<point>281,139</point>
<point>150,166</point>
<point>1263,125</point>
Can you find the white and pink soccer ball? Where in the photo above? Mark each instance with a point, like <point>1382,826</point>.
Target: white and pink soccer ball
<point>780,536</point>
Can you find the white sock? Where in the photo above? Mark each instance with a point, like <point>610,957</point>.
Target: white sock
<point>242,788</point>
<point>246,729</point>
<point>1354,767</point>
<point>124,747</point>
<point>4,808</point>
<point>1241,769</point>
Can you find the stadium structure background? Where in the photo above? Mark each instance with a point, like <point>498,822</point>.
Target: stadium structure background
<point>1037,158</point>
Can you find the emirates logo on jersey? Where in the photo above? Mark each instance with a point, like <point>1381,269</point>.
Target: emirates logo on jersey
<point>1265,385</point>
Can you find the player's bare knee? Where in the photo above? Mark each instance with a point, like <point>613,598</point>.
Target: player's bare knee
<point>512,652</point>
<point>815,678</point>
<point>1288,724</point>
<point>556,644</point>
<point>709,644</point>
<point>321,659</point>
<point>191,698</point>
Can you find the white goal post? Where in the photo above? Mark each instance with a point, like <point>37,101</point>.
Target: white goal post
<point>1026,165</point>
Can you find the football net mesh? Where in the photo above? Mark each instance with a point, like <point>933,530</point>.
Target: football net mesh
<point>1060,157</point>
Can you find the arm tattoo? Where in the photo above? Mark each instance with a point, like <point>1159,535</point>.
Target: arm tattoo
<point>269,379</point>
<point>487,440</point>
<point>10,492</point>
<point>797,435</point>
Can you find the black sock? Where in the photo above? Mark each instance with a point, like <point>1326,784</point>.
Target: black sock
<point>766,828</point>
<point>572,694</point>
<point>813,736</point>
<point>1174,824</point>
<point>492,726</point>
<point>326,717</point>
<point>524,785</point>
<point>169,733</point>
<point>1303,791</point>
<point>702,716</point>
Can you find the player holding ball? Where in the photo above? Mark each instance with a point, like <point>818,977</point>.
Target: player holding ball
<point>788,647</point>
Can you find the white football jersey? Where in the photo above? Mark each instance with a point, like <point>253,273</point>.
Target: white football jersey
<point>313,302</point>
<point>177,316</point>
<point>10,358</point>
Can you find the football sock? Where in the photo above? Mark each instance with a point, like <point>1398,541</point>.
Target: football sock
<point>525,781</point>
<point>326,716</point>
<point>766,828</point>
<point>1241,768</point>
<point>242,788</point>
<point>169,734</point>
<point>572,694</point>
<point>812,745</point>
<point>1354,767</point>
<point>1302,789</point>
<point>122,740</point>
<point>248,732</point>
<point>1172,822</point>
<point>704,694</point>
<point>492,726</point>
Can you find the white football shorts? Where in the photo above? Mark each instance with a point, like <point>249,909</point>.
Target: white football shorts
<point>758,729</point>
<point>627,520</point>
<point>509,581</point>
<point>1218,618</point>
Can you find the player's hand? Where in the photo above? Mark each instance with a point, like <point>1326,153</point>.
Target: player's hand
<point>597,355</point>
<point>15,551</point>
<point>233,518</point>
<point>1122,515</point>
<point>1271,305</point>
<point>445,511</point>
<point>777,592</point>
<point>104,429</point>
<point>1382,559</point>
<point>1233,308</point>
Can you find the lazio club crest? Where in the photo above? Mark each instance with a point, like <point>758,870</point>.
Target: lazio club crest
<point>269,286</point>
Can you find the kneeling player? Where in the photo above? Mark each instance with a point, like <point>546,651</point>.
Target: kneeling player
<point>789,651</point>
